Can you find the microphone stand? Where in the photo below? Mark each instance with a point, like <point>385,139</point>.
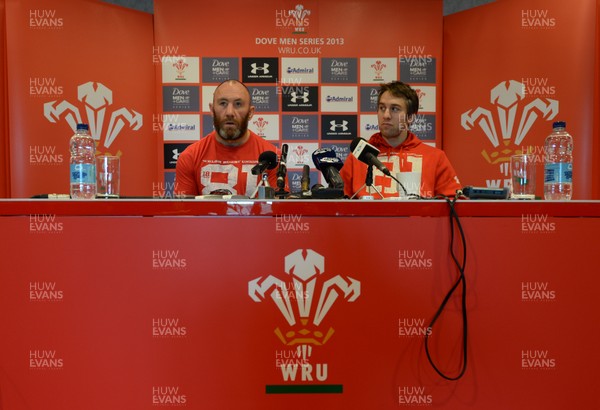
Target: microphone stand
<point>368,183</point>
<point>266,192</point>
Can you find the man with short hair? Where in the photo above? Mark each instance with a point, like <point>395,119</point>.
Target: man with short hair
<point>222,161</point>
<point>401,151</point>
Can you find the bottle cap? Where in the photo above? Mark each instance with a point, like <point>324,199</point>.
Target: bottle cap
<point>559,124</point>
<point>83,127</point>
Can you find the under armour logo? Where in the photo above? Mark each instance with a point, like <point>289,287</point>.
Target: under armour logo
<point>295,96</point>
<point>176,154</point>
<point>335,126</point>
<point>256,68</point>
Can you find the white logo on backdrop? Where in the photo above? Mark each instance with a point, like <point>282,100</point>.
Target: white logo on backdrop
<point>97,100</point>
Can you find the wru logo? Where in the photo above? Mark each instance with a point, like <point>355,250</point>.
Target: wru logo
<point>508,99</point>
<point>304,286</point>
<point>96,99</point>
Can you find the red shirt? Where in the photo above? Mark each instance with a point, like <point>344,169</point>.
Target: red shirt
<point>208,165</point>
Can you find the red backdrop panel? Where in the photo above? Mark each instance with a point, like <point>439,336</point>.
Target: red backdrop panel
<point>71,61</point>
<point>511,68</point>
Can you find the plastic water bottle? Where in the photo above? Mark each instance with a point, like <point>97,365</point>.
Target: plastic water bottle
<point>83,164</point>
<point>558,165</point>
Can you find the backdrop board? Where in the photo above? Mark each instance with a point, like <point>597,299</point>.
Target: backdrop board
<point>313,69</point>
<point>283,304</point>
<point>512,68</point>
<point>71,61</point>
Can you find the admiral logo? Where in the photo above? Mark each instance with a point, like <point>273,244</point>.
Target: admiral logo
<point>537,87</point>
<point>177,127</point>
<point>168,259</point>
<point>96,100</point>
<point>414,259</point>
<point>297,19</point>
<point>304,274</point>
<point>291,224</point>
<point>535,223</point>
<point>339,127</point>
<point>337,98</point>
<point>44,86</point>
<point>44,292</point>
<point>260,70</point>
<point>44,155</point>
<point>181,98</point>
<point>537,292</point>
<point>163,190</point>
<point>168,396</point>
<point>537,19</point>
<point>42,223</point>
<point>296,70</point>
<point>372,128</point>
<point>45,19</point>
<point>168,328</point>
<point>414,396</point>
<point>537,360</point>
<point>413,327</point>
<point>304,100</point>
<point>45,360</point>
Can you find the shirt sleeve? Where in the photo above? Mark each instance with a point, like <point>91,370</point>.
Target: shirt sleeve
<point>185,178</point>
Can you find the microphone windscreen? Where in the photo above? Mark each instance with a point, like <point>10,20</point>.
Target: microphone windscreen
<point>268,157</point>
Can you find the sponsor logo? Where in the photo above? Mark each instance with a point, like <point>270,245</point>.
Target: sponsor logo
<point>168,259</point>
<point>305,281</point>
<point>171,154</point>
<point>45,360</point>
<point>505,131</point>
<point>537,292</point>
<point>177,127</point>
<point>44,223</point>
<point>45,19</point>
<point>44,292</point>
<point>339,70</point>
<point>339,127</point>
<point>96,100</point>
<point>181,98</point>
<point>304,99</point>
<point>300,127</point>
<point>168,396</point>
<point>260,70</point>
<point>217,70</point>
<point>264,99</point>
<point>537,360</point>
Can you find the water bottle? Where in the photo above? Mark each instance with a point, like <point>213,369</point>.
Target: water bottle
<point>83,164</point>
<point>558,163</point>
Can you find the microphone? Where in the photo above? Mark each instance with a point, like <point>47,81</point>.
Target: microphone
<point>266,160</point>
<point>305,181</point>
<point>367,153</point>
<point>282,170</point>
<point>330,165</point>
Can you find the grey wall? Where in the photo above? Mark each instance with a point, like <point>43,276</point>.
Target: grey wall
<point>450,6</point>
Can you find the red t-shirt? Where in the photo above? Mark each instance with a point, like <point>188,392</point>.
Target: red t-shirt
<point>208,165</point>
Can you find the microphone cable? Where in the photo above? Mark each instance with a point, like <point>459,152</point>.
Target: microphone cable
<point>461,280</point>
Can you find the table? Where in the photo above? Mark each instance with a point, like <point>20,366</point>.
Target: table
<point>133,304</point>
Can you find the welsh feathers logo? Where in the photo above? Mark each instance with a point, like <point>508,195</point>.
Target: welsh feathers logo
<point>304,297</point>
<point>95,99</point>
<point>508,100</point>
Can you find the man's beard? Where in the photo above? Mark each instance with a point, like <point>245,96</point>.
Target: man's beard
<point>231,134</point>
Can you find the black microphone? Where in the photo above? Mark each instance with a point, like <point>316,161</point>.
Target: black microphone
<point>330,165</point>
<point>367,153</point>
<point>266,160</point>
<point>282,170</point>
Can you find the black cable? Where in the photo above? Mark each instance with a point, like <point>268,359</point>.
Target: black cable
<point>461,280</point>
